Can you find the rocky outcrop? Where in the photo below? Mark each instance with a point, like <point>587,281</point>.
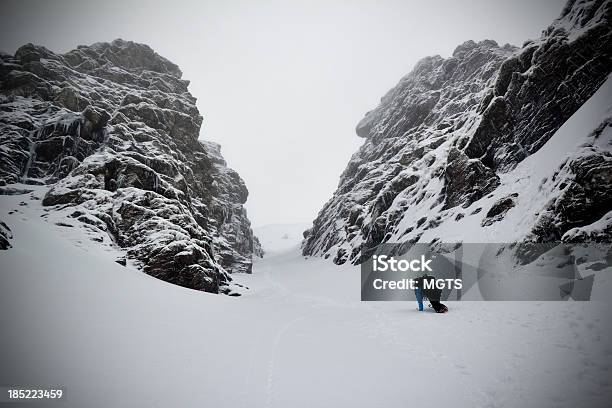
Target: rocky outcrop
<point>541,86</point>
<point>407,141</point>
<point>499,209</point>
<point>113,130</point>
<point>5,236</point>
<point>257,248</point>
<point>586,198</point>
<point>444,146</point>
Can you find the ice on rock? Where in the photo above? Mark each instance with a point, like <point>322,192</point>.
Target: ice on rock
<point>113,131</point>
<point>450,146</point>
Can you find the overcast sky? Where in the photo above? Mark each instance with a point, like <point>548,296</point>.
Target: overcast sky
<point>282,84</point>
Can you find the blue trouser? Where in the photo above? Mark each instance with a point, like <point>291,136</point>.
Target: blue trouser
<point>419,297</point>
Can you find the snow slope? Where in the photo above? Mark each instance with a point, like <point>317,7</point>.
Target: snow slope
<point>299,337</point>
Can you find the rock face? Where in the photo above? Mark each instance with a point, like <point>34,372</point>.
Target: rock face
<point>113,130</point>
<point>257,249</point>
<point>453,137</point>
<point>5,236</point>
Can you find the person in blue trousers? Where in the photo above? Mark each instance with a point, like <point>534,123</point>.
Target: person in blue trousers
<point>433,295</point>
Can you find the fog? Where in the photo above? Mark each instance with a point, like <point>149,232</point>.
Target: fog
<point>281,84</point>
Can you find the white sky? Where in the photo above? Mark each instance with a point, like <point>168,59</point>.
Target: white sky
<point>282,84</point>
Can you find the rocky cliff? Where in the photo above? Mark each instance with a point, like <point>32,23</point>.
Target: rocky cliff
<point>470,148</point>
<point>113,131</point>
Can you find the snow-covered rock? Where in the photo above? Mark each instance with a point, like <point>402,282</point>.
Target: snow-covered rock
<point>257,248</point>
<point>5,236</point>
<point>471,148</point>
<point>113,130</point>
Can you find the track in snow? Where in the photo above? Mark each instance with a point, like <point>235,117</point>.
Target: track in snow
<point>298,337</point>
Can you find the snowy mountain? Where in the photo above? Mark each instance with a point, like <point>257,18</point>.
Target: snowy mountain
<point>112,130</point>
<point>494,144</point>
